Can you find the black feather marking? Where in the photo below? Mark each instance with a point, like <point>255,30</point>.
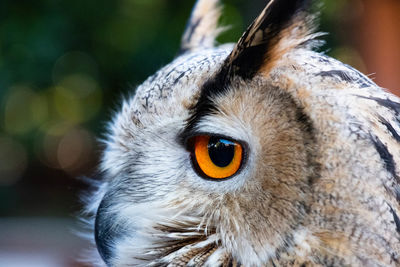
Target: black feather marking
<point>397,192</point>
<point>351,76</point>
<point>390,128</point>
<point>179,77</point>
<point>386,103</point>
<point>395,218</point>
<point>190,28</point>
<point>385,155</point>
<point>336,73</point>
<point>249,54</point>
<point>204,106</point>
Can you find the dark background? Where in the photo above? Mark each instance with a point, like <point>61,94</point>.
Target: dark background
<point>64,66</point>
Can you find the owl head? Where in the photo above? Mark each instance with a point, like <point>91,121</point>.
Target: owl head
<point>213,160</point>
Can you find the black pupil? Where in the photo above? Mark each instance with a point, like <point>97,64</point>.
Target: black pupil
<point>221,151</point>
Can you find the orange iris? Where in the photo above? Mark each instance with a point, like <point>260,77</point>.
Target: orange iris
<point>217,157</point>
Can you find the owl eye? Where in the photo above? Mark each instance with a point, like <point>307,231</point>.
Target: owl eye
<point>215,157</point>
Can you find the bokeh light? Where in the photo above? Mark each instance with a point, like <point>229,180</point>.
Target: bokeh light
<point>77,98</point>
<point>74,149</point>
<point>47,145</point>
<point>13,160</point>
<point>24,110</point>
<point>74,62</point>
<point>65,146</point>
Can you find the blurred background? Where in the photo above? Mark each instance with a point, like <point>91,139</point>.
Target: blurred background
<point>64,66</point>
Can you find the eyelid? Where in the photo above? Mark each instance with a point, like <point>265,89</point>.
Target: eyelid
<point>187,136</point>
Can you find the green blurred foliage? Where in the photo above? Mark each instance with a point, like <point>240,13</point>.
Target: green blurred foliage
<point>64,66</point>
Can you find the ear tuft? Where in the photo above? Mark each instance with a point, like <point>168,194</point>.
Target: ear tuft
<point>202,27</point>
<point>282,26</point>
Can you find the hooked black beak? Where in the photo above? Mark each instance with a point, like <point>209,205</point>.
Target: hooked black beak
<point>105,232</point>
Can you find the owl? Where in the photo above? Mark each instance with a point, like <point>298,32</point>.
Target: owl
<point>259,153</point>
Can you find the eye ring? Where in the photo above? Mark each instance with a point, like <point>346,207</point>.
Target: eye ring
<point>216,157</point>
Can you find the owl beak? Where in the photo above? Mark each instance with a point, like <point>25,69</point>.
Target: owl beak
<point>105,232</point>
